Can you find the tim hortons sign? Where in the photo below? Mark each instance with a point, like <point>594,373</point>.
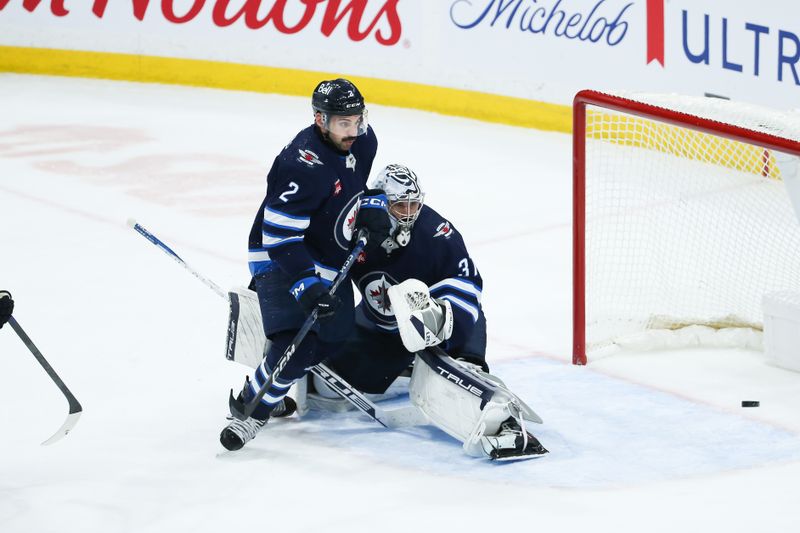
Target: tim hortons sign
<point>257,14</point>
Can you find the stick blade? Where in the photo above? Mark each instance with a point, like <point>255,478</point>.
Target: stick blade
<point>66,427</point>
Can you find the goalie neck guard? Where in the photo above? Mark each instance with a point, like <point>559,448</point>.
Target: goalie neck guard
<point>406,198</point>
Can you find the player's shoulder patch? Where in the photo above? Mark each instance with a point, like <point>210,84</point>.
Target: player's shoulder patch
<point>444,230</point>
<point>308,158</point>
<point>303,163</point>
<point>304,152</point>
<point>434,224</point>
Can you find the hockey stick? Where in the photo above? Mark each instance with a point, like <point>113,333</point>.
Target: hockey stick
<point>395,418</point>
<point>155,240</point>
<point>75,408</point>
<point>243,411</point>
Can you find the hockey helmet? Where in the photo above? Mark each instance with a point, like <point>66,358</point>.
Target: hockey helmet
<point>339,97</point>
<point>405,196</point>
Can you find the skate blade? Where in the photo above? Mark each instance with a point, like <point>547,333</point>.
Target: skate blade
<point>513,458</point>
<point>508,458</point>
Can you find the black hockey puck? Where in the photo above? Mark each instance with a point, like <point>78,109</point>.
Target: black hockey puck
<point>750,403</point>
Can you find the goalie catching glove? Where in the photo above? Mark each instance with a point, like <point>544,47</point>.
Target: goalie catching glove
<point>422,321</point>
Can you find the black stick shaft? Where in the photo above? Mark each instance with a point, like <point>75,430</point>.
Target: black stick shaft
<point>74,405</point>
<point>247,410</point>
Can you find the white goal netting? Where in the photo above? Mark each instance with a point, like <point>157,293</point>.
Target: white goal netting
<point>682,227</point>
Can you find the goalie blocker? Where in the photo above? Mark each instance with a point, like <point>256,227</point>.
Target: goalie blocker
<point>246,342</point>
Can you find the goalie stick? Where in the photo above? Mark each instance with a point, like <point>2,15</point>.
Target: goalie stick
<point>398,417</point>
<point>158,242</point>
<point>395,418</point>
<point>75,408</point>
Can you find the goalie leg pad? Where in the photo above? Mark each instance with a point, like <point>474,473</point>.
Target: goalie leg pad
<point>246,342</point>
<point>466,405</point>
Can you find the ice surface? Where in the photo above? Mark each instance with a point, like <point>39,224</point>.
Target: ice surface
<point>639,442</point>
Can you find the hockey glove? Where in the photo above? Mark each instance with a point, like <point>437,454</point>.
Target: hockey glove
<point>421,320</point>
<point>6,307</point>
<point>311,293</point>
<point>373,215</point>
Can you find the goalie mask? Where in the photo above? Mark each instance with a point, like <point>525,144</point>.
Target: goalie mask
<point>406,198</point>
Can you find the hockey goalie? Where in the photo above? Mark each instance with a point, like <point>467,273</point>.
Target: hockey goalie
<point>420,312</point>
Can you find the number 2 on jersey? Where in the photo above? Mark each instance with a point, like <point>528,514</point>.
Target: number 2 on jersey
<point>293,188</point>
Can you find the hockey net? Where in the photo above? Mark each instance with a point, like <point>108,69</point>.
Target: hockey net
<point>682,221</point>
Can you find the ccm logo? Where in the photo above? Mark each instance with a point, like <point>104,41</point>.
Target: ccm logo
<point>460,382</point>
<point>373,202</point>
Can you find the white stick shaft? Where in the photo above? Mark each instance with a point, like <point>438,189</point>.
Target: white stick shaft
<point>166,249</point>
<point>393,418</point>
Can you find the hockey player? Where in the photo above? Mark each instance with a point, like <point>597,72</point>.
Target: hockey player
<point>436,256</point>
<point>302,233</point>
<point>421,294</point>
<point>6,307</point>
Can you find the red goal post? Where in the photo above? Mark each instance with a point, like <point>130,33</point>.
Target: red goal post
<point>676,142</point>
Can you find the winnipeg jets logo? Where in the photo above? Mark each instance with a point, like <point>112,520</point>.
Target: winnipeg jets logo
<point>443,230</point>
<point>376,293</point>
<point>309,158</point>
<point>350,161</point>
<point>350,224</point>
<point>344,229</point>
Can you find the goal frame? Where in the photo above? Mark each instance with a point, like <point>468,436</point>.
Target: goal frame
<point>599,99</point>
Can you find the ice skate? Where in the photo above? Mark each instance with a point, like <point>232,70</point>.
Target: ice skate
<point>286,407</point>
<point>512,443</point>
<point>239,432</point>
